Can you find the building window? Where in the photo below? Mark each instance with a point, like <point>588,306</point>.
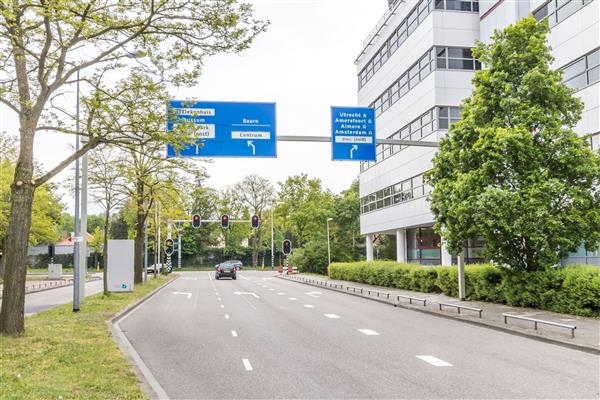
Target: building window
<point>558,10</point>
<point>584,71</point>
<point>423,246</point>
<point>401,192</point>
<point>451,58</point>
<point>436,118</point>
<point>407,26</point>
<point>595,141</point>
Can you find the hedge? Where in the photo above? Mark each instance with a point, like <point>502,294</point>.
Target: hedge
<point>573,289</point>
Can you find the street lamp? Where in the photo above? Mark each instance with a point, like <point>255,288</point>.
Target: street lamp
<point>328,244</point>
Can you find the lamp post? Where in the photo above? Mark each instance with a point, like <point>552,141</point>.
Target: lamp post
<point>328,243</point>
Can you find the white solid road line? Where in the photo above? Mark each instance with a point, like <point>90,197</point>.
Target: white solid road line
<point>368,332</point>
<point>309,306</point>
<point>292,298</point>
<point>234,333</point>
<point>247,364</point>
<point>434,361</point>
<point>333,316</point>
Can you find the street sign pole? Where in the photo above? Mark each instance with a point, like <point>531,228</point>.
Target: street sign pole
<point>76,276</point>
<point>179,248</point>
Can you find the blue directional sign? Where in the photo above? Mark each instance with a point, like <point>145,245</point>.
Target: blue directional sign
<point>226,129</point>
<point>353,133</point>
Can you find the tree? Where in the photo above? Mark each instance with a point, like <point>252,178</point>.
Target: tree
<point>44,45</point>
<point>253,194</point>
<point>105,179</point>
<point>512,169</point>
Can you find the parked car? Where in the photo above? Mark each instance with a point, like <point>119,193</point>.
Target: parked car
<point>154,268</point>
<point>226,269</point>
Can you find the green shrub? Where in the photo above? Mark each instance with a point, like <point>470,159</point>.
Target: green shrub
<point>573,289</point>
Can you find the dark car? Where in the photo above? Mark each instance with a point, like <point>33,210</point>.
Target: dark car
<point>227,269</point>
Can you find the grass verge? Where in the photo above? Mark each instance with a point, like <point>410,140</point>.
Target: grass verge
<point>66,355</point>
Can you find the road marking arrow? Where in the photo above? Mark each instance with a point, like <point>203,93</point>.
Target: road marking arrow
<point>354,147</point>
<point>248,293</point>
<point>250,144</point>
<point>188,294</point>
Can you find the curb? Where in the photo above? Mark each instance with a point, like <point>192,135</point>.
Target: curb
<point>563,343</point>
<point>148,382</point>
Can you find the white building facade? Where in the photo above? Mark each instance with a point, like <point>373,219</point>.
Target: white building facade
<point>416,68</point>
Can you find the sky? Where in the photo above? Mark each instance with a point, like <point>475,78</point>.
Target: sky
<point>304,63</point>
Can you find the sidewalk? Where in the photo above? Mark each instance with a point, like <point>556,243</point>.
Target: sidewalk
<point>587,333</point>
<point>38,285</point>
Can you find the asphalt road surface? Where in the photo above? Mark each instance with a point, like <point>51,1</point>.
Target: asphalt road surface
<point>40,301</point>
<point>263,337</point>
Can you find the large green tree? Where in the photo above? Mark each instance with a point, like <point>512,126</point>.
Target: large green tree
<point>512,169</point>
<point>46,44</point>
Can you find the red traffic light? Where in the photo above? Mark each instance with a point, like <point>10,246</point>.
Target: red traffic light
<point>196,221</point>
<point>287,247</point>
<point>225,221</point>
<point>255,222</point>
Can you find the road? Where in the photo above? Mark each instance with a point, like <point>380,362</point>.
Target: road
<point>40,301</point>
<point>263,337</point>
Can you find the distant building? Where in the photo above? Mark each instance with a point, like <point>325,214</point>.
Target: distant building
<point>64,246</point>
<point>415,69</point>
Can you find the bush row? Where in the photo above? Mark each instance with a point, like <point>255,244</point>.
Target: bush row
<point>574,289</point>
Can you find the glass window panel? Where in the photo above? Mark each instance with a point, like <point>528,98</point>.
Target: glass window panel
<point>414,71</point>
<point>443,123</point>
<point>443,111</point>
<point>577,82</point>
<point>387,201</point>
<point>593,59</point>
<point>441,51</point>
<point>441,63</point>
<point>415,126</point>
<point>574,69</point>
<point>426,118</point>
<point>594,75</point>
<point>418,180</point>
<point>465,6</point>
<point>452,5</point>
<point>460,64</point>
<point>476,6</point>
<point>541,13</point>
<point>455,112</point>
<point>405,132</point>
<point>568,9</point>
<point>439,4</point>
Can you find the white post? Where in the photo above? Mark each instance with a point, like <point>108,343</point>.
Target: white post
<point>179,248</point>
<point>461,275</point>
<point>446,256</point>
<point>401,245</point>
<point>272,238</point>
<point>83,228</point>
<point>328,243</point>
<point>369,244</point>
<point>145,251</point>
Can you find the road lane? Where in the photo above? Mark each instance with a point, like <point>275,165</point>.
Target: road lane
<point>298,352</point>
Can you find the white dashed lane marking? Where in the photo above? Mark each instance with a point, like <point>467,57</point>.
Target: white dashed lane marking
<point>222,306</point>
<point>368,332</point>
<point>434,361</point>
<point>281,293</point>
<point>292,298</point>
<point>309,306</point>
<point>332,316</point>
<point>247,364</point>
<point>234,333</point>
<point>226,316</point>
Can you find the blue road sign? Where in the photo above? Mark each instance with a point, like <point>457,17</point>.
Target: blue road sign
<point>226,129</point>
<point>353,133</point>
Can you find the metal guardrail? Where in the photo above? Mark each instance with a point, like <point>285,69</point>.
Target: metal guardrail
<point>410,299</point>
<point>459,307</point>
<point>354,289</point>
<point>378,293</point>
<point>540,321</point>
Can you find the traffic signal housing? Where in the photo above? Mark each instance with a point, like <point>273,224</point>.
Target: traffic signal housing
<point>255,222</point>
<point>287,247</point>
<point>196,221</point>
<point>224,221</point>
<point>169,247</point>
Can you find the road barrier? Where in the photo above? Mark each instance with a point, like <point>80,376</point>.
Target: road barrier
<point>540,321</point>
<point>354,289</point>
<point>459,307</point>
<point>378,293</point>
<point>410,299</point>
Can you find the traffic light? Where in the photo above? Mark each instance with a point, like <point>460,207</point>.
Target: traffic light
<point>224,221</point>
<point>287,247</point>
<point>196,221</point>
<point>255,221</point>
<point>169,247</point>
<point>51,250</point>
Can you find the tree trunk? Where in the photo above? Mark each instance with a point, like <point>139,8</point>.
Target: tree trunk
<point>105,250</point>
<point>16,241</point>
<point>139,234</point>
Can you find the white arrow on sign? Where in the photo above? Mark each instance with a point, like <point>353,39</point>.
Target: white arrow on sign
<point>355,147</point>
<point>188,294</point>
<point>250,144</point>
<point>313,294</point>
<point>248,293</point>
